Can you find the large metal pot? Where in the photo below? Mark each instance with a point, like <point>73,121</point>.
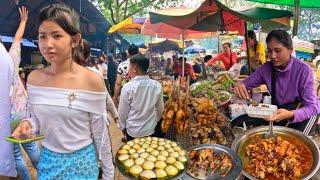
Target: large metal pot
<point>238,144</point>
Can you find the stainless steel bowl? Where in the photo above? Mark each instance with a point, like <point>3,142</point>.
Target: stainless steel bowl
<point>240,140</point>
<point>236,162</point>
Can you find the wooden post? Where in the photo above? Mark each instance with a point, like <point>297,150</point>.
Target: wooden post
<point>296,17</point>
<point>246,39</point>
<point>183,53</point>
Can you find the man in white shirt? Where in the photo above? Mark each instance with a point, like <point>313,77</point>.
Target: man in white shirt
<point>141,101</point>
<point>7,160</point>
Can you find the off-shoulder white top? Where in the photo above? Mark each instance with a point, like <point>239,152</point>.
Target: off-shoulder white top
<point>70,120</point>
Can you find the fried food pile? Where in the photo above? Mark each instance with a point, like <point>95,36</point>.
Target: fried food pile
<point>166,86</point>
<point>205,162</point>
<point>275,158</point>
<point>209,122</point>
<point>176,110</point>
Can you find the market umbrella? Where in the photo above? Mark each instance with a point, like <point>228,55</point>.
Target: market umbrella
<point>297,4</point>
<point>213,16</point>
<point>235,21</point>
<point>163,30</point>
<point>129,25</point>
<point>303,3</point>
<point>166,45</point>
<point>195,49</point>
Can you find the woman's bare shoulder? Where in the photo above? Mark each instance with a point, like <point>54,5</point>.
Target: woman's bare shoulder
<point>94,80</point>
<point>37,77</point>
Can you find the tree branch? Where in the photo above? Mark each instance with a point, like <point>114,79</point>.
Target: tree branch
<point>125,9</point>
<point>121,3</point>
<point>111,12</point>
<point>139,9</point>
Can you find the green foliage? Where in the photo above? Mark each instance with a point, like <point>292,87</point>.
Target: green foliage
<point>309,25</point>
<point>118,10</point>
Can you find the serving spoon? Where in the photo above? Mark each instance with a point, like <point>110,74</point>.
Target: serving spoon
<point>270,133</point>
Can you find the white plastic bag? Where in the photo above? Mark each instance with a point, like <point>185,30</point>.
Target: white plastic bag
<point>235,70</point>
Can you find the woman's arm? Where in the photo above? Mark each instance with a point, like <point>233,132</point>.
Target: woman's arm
<point>102,143</point>
<point>254,80</point>
<point>111,107</point>
<point>29,126</point>
<point>23,20</point>
<point>15,48</point>
<point>214,59</point>
<point>310,104</point>
<point>117,89</point>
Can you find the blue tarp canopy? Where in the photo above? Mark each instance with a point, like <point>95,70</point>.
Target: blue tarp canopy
<point>93,23</point>
<point>25,42</point>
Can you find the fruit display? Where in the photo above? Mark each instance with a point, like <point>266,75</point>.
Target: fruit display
<point>151,158</point>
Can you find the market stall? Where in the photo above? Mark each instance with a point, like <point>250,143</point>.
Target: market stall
<point>206,146</point>
<point>198,119</point>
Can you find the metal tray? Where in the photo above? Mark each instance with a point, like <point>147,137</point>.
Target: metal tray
<point>218,91</point>
<point>237,163</point>
<point>240,141</point>
<point>125,173</point>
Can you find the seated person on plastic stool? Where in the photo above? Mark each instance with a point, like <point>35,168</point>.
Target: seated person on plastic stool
<point>141,101</point>
<point>290,82</point>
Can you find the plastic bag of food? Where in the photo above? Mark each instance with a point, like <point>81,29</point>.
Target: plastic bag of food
<point>235,70</point>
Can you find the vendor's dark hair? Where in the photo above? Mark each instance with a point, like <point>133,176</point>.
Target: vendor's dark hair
<point>181,59</point>
<point>228,44</point>
<point>252,35</point>
<point>133,50</point>
<point>207,58</point>
<point>85,51</point>
<point>141,61</point>
<point>282,36</point>
<point>68,20</point>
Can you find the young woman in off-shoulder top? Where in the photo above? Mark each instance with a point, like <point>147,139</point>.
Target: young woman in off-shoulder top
<point>67,103</point>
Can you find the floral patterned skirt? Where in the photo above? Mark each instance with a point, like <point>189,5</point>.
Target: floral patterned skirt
<point>81,164</point>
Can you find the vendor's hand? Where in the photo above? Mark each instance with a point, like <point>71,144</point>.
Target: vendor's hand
<point>116,120</point>
<point>241,91</point>
<point>23,131</point>
<point>281,114</point>
<point>23,14</point>
<point>115,101</point>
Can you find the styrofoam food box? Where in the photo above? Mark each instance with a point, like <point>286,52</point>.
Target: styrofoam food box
<point>261,111</point>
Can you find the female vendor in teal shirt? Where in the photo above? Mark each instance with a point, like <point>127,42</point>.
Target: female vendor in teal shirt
<point>292,81</point>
